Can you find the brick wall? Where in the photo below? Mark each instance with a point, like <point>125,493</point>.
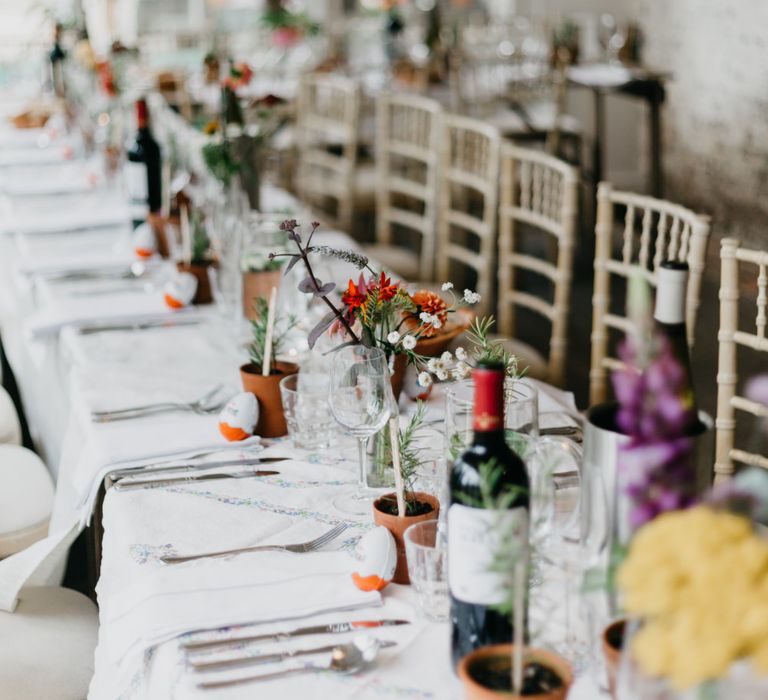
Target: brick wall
<point>716,116</point>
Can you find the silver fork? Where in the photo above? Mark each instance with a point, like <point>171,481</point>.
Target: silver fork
<point>201,406</point>
<point>300,548</point>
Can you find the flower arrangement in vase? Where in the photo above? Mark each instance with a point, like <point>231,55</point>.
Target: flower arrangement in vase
<point>374,310</point>
<point>696,579</point>
<point>287,27</point>
<point>262,375</point>
<point>232,151</point>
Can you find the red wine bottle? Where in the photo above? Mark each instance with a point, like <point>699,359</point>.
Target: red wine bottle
<point>143,169</point>
<point>669,317</point>
<point>477,517</point>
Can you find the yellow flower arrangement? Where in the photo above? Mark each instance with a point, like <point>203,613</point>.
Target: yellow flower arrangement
<point>698,579</point>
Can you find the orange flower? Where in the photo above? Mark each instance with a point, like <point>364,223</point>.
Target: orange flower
<point>387,290</point>
<point>434,305</point>
<point>353,298</point>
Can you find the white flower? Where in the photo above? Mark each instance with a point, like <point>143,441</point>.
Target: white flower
<point>446,286</point>
<point>436,323</point>
<point>446,357</point>
<point>461,354</point>
<point>234,131</point>
<point>471,297</point>
<point>409,342</point>
<point>462,370</point>
<point>424,316</point>
<point>442,375</point>
<point>432,364</point>
<point>393,338</point>
<point>425,379</point>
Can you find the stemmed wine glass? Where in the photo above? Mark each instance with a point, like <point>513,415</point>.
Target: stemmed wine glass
<point>361,403</point>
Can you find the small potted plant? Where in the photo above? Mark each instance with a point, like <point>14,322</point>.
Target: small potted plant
<point>260,274</point>
<point>513,670</point>
<point>398,510</point>
<point>197,254</point>
<point>262,375</point>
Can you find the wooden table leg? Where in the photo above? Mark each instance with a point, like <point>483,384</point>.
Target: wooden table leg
<point>599,137</point>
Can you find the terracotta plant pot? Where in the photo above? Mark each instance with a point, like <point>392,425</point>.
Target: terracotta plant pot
<point>397,526</point>
<point>258,284</point>
<point>612,640</point>
<point>267,392</point>
<point>499,656</point>
<point>203,294</point>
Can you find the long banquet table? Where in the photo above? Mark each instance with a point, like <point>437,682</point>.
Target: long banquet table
<point>147,608</point>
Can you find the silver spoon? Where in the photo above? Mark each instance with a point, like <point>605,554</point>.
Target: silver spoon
<point>350,658</point>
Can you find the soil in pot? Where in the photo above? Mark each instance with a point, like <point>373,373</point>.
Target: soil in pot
<point>266,389</point>
<point>486,674</point>
<point>494,673</point>
<point>384,514</point>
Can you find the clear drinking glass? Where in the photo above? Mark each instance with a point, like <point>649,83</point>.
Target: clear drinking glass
<point>310,423</point>
<point>426,551</point>
<point>362,403</point>
<point>521,413</point>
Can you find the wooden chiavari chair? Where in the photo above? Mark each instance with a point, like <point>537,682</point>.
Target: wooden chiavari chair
<point>407,153</point>
<point>730,338</point>
<point>467,202</point>
<point>540,193</point>
<point>666,231</point>
<point>327,116</point>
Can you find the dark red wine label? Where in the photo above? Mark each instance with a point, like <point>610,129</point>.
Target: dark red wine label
<point>489,399</point>
<point>142,114</point>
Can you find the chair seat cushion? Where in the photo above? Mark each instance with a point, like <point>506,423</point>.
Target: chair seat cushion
<point>26,499</point>
<point>10,430</point>
<point>401,261</point>
<point>47,645</point>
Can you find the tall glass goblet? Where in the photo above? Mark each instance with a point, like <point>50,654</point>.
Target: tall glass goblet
<point>361,403</point>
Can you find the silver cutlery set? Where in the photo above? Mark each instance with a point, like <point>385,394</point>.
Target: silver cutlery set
<point>346,658</point>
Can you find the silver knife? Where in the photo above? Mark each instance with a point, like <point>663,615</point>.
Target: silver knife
<point>131,485</point>
<point>144,470</point>
<point>203,666</point>
<point>88,330</point>
<point>334,628</point>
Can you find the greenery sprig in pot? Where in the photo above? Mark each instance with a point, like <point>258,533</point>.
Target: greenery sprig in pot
<point>261,376</point>
<point>398,510</point>
<point>512,671</point>
<point>197,255</point>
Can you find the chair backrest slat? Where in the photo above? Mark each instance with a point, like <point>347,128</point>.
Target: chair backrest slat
<point>734,259</point>
<point>407,162</point>
<point>680,234</point>
<point>552,212</point>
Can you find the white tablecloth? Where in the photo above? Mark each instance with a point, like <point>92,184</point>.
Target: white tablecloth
<point>62,378</point>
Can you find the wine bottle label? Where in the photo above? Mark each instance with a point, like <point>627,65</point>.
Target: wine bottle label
<point>672,283</point>
<point>475,537</point>
<point>136,181</point>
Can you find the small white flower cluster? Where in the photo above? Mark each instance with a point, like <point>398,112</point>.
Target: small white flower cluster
<point>430,320</point>
<point>409,341</point>
<point>471,297</point>
<point>447,366</point>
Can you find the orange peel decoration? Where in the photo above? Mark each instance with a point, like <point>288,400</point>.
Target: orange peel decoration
<point>144,252</point>
<point>232,433</point>
<point>369,583</point>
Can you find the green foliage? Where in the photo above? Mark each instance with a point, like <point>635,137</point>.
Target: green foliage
<point>259,332</point>
<point>409,454</point>
<point>487,350</point>
<point>220,161</point>
<point>200,241</point>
